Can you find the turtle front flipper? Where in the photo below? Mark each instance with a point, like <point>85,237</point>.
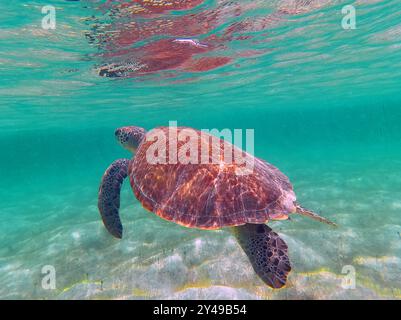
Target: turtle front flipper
<point>267,252</point>
<point>109,196</point>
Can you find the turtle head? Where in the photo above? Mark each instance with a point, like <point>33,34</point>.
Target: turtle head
<point>130,137</point>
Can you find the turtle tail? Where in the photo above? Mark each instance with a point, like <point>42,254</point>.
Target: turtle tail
<point>308,213</point>
<point>109,196</point>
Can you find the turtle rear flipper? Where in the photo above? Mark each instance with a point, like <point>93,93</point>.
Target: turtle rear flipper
<point>109,196</point>
<point>267,252</point>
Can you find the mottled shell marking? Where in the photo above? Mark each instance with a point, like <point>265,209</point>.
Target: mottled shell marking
<point>210,196</point>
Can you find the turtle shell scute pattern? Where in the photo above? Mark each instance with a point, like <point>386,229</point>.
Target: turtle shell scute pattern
<point>209,195</point>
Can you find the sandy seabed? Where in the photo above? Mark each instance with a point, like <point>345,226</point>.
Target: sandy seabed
<point>157,259</point>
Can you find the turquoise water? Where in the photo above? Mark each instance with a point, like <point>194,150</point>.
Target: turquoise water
<point>325,106</point>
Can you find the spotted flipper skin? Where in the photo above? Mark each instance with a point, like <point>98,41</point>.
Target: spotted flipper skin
<point>267,252</point>
<point>109,196</point>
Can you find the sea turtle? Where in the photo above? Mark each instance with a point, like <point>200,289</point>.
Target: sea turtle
<point>205,190</point>
<point>160,55</point>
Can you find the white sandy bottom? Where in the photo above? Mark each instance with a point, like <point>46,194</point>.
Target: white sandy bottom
<point>161,260</point>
